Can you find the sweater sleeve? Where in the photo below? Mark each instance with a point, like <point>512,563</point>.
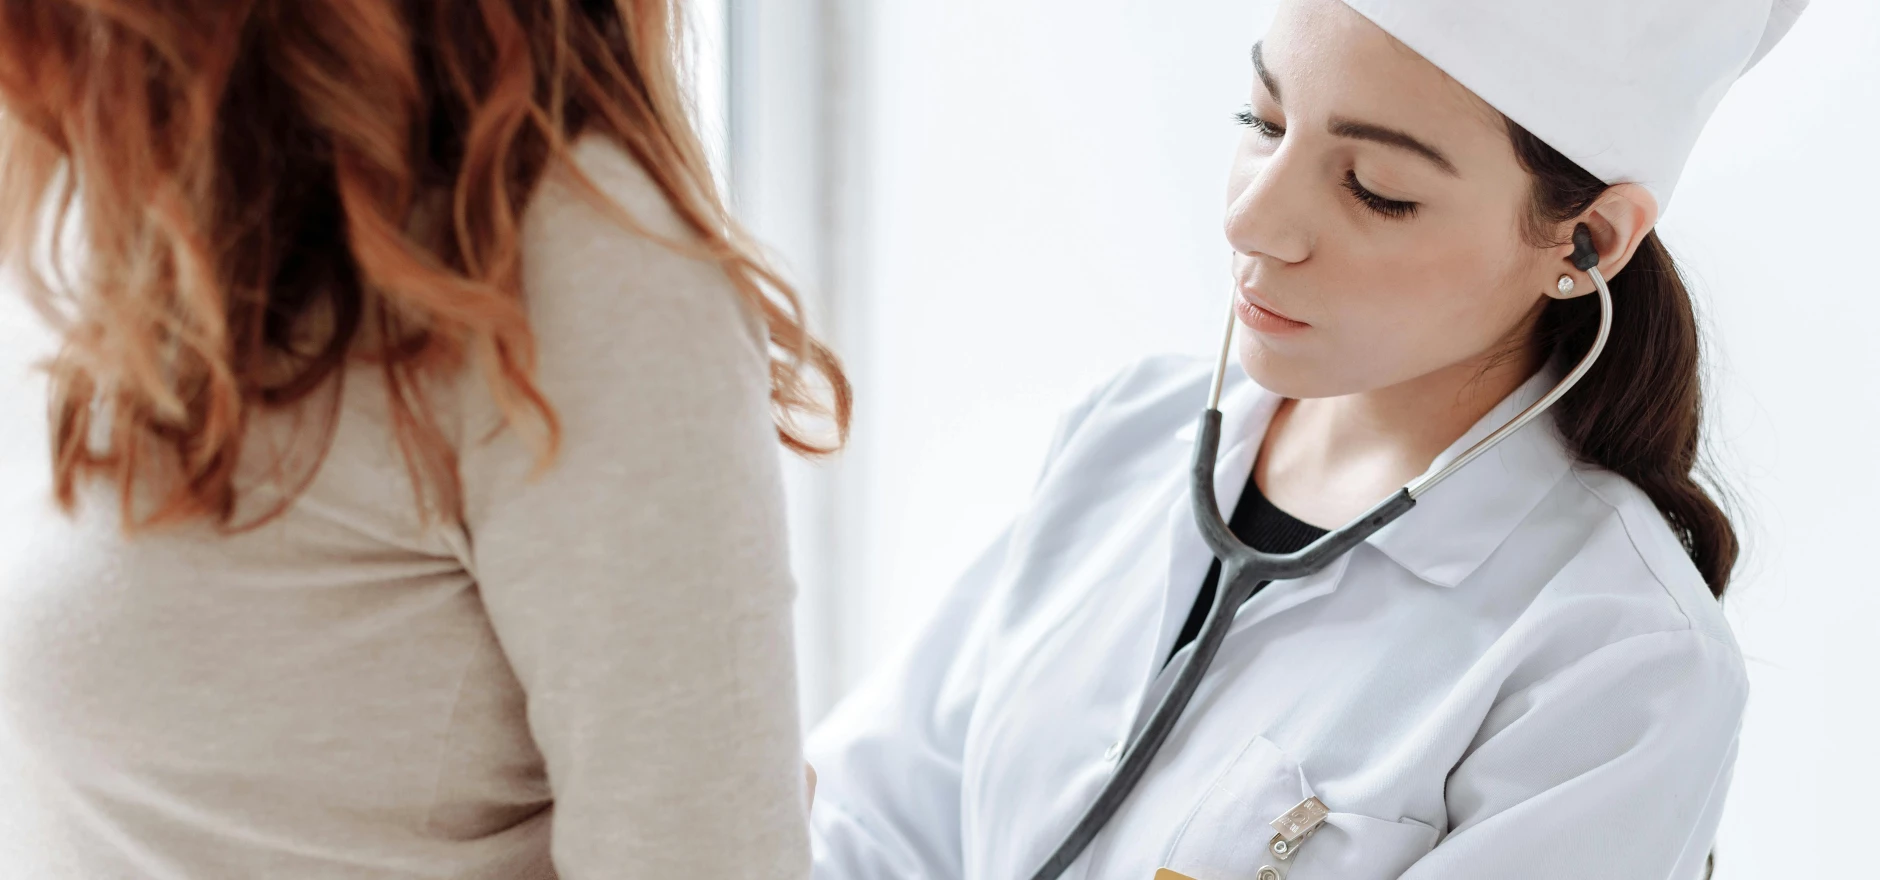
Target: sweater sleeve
<point>640,587</point>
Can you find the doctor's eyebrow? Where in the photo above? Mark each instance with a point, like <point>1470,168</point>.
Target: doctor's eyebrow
<point>1365,131</point>
<point>1266,76</point>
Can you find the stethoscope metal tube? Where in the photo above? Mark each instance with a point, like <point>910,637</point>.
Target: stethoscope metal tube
<point>1245,570</point>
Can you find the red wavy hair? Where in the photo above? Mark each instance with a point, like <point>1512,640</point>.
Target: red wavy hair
<point>244,181</point>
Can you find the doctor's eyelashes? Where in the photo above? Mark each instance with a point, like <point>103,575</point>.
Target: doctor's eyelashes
<point>1391,208</point>
<point>1244,116</point>
<point>1385,207</point>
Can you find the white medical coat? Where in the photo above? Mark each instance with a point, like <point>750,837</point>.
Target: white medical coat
<point>1523,677</point>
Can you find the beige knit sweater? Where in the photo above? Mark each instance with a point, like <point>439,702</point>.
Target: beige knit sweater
<point>589,676</point>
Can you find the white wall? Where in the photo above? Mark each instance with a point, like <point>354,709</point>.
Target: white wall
<point>1041,205</point>
<point>1777,218</point>
<point>23,452</point>
<point>1044,189</point>
<point>788,89</point>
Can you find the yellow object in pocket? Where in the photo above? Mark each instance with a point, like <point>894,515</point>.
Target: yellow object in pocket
<point>1166,874</point>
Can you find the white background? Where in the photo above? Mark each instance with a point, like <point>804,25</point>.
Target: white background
<point>996,203</point>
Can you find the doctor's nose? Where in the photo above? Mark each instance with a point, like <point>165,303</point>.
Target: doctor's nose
<point>1266,213</point>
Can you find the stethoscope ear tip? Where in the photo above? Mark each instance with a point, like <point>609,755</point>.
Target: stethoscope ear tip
<point>1585,255</point>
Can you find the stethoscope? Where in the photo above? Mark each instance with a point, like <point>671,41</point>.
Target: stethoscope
<point>1245,570</point>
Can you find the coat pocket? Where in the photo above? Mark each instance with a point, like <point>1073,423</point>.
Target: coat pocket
<point>1226,834</point>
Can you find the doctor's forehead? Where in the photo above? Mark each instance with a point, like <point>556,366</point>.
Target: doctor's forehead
<point>1326,58</point>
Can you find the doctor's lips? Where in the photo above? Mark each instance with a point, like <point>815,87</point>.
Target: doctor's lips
<point>1259,315</point>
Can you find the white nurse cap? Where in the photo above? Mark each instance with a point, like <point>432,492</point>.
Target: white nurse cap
<point>1621,87</point>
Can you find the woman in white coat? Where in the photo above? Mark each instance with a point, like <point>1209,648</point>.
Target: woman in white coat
<point>1529,674</point>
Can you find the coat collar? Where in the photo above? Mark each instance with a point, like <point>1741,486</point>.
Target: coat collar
<point>1246,408</point>
<point>1458,523</point>
<point>1453,529</point>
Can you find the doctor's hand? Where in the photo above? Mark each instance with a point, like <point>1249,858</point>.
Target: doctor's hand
<point>809,776</point>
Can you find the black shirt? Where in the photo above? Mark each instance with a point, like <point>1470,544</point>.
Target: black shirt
<point>1261,526</point>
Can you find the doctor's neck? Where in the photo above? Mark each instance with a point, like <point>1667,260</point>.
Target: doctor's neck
<point>1326,458</point>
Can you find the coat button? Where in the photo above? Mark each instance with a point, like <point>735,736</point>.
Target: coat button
<point>1267,873</point>
<point>1114,751</point>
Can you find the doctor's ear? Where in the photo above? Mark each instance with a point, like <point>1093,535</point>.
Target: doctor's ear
<point>1619,220</point>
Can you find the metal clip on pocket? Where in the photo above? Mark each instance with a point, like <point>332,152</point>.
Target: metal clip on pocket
<point>1290,831</point>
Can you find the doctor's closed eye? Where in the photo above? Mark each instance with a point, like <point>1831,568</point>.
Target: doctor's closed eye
<point>1391,208</point>
<point>1265,129</point>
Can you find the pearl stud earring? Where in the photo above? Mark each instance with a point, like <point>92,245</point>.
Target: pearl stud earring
<point>1565,285</point>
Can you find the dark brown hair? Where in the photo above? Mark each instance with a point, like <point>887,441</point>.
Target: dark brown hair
<point>251,176</point>
<point>1639,411</point>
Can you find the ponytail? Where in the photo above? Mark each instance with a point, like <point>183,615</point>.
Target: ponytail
<point>1638,411</point>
